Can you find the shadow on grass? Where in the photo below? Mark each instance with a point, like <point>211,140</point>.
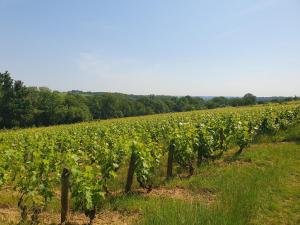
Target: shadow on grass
<point>237,156</point>
<point>289,135</point>
<point>297,142</point>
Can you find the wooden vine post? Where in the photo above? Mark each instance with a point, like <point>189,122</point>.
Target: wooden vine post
<point>199,157</point>
<point>130,174</point>
<point>65,183</point>
<point>170,160</point>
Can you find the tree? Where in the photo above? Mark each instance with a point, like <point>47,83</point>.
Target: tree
<point>217,102</point>
<point>22,106</point>
<point>249,99</point>
<point>76,109</point>
<point>6,107</point>
<point>16,108</point>
<point>110,106</point>
<point>235,102</point>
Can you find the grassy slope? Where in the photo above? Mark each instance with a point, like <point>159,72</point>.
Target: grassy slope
<point>260,187</point>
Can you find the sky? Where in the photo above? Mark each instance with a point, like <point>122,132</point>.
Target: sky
<point>169,47</point>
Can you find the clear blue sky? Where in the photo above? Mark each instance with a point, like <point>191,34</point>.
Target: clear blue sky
<point>186,47</point>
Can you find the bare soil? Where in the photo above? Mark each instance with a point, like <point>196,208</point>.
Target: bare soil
<point>12,216</point>
<point>179,193</point>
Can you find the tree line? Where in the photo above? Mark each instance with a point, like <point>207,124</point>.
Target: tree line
<point>22,106</point>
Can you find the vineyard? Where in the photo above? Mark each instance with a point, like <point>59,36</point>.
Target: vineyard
<point>83,160</point>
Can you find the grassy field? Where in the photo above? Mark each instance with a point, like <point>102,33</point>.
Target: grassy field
<point>261,186</point>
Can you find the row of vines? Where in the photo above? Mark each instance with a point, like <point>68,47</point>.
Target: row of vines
<point>84,158</point>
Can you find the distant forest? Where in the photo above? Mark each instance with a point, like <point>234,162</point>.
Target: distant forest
<point>22,106</point>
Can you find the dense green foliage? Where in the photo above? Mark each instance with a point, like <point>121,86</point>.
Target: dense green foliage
<point>22,106</point>
<point>33,159</point>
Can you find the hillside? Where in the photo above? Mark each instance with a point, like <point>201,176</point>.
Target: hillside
<point>261,186</point>
<point>202,163</point>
